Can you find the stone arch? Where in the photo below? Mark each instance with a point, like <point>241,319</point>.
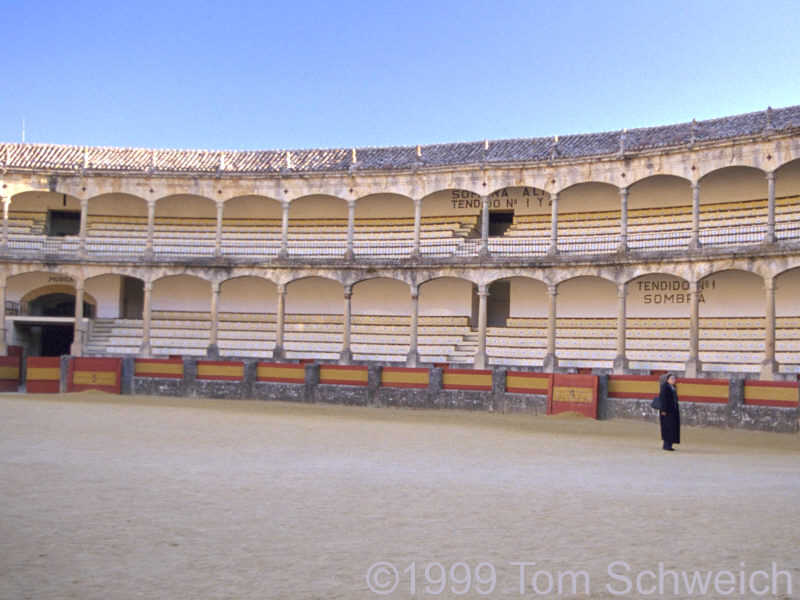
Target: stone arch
<point>248,294</point>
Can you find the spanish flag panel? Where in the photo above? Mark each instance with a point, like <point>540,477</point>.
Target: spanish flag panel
<point>162,368</point>
<point>467,379</point>
<point>220,370</point>
<point>343,374</point>
<point>771,393</point>
<point>281,373</point>
<point>405,377</point>
<point>103,374</point>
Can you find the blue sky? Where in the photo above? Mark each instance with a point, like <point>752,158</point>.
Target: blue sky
<point>243,75</point>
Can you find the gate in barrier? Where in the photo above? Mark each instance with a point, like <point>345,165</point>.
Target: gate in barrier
<point>103,374</point>
<point>573,393</point>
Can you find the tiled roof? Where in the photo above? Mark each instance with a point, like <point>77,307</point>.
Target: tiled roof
<point>59,158</point>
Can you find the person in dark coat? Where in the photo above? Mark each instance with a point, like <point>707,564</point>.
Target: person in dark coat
<point>669,413</point>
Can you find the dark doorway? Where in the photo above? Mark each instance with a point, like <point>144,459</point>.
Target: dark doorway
<point>63,222</point>
<point>57,305</point>
<point>498,306</point>
<point>56,339</point>
<point>499,222</point>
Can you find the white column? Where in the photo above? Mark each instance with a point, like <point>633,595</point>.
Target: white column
<point>351,218</point>
<point>82,234</point>
<point>694,243</point>
<point>480,355</point>
<point>213,347</point>
<point>346,356</point>
<point>280,319</point>
<point>551,360</point>
<point>6,204</point>
<point>621,360</point>
<point>415,251</point>
<point>77,340</point>
<point>554,224</point>
<point>145,351</point>
<point>693,365</point>
<point>284,251</point>
<point>769,367</point>
<point>413,342</point>
<point>770,238</point>
<point>623,220</point>
<point>218,242</point>
<point>484,251</point>
<point>151,226</point>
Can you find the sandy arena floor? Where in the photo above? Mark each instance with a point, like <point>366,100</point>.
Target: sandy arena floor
<point>116,498</point>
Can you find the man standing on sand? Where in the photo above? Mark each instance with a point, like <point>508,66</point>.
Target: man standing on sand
<point>669,413</point>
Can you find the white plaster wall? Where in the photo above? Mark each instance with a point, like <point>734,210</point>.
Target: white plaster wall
<point>43,201</point>
<point>117,205</point>
<point>659,191</point>
<point>318,207</point>
<point>248,294</point>
<point>589,197</point>
<point>528,298</point>
<point>186,206</point>
<point>447,296</point>
<point>381,297</point>
<point>315,295</point>
<point>787,294</point>
<point>252,207</point>
<point>384,206</point>
<point>19,285</point>
<point>107,291</point>
<point>587,297</point>
<point>181,292</point>
<point>732,185</point>
<point>787,180</point>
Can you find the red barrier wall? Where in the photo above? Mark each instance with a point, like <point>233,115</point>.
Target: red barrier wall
<point>281,372</point>
<point>771,393</point>
<point>104,374</point>
<point>163,368</point>
<point>573,393</point>
<point>9,373</point>
<point>343,374</point>
<point>43,374</point>
<point>467,379</point>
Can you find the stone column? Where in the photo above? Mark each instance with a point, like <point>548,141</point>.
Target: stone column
<point>480,356</point>
<point>621,360</point>
<point>694,243</point>
<point>82,230</point>
<point>3,330</point>
<point>769,237</point>
<point>415,251</point>
<point>151,226</point>
<point>284,251</point>
<point>554,224</point>
<point>280,319</point>
<point>147,315</point>
<point>623,220</point>
<point>218,237</point>
<point>551,360</point>
<point>6,200</point>
<point>351,218</point>
<point>484,251</point>
<point>413,342</point>
<point>693,365</point>
<point>77,339</point>
<point>213,346</point>
<point>346,357</point>
<point>769,367</point>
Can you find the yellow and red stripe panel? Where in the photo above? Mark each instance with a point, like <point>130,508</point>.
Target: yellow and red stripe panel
<point>281,372</point>
<point>467,379</point>
<point>103,374</point>
<point>43,375</point>
<point>714,391</point>
<point>343,374</point>
<point>771,393</point>
<point>518,382</point>
<point>632,386</point>
<point>405,377</point>
<point>160,368</point>
<point>573,393</point>
<point>220,370</point>
<point>9,373</point>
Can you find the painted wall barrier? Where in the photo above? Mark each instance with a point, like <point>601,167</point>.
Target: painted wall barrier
<point>632,386</point>
<point>782,394</point>
<point>220,370</point>
<point>518,382</point>
<point>9,373</point>
<point>344,374</point>
<point>714,391</point>
<point>401,377</point>
<point>159,368</point>
<point>43,375</point>
<point>573,393</point>
<point>281,373</point>
<point>103,374</point>
<point>467,379</point>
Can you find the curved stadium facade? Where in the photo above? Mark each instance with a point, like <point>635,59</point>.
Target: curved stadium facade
<point>628,252</point>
